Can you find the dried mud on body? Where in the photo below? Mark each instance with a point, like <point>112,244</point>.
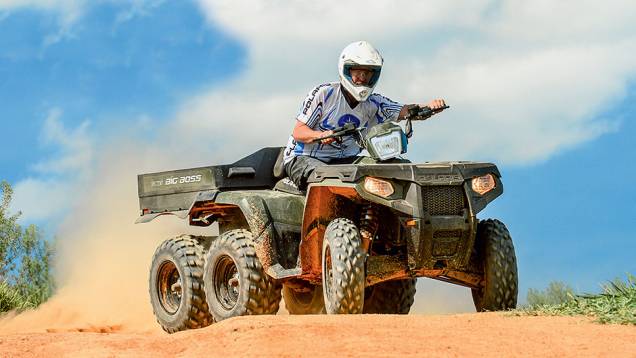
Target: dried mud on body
<point>353,335</point>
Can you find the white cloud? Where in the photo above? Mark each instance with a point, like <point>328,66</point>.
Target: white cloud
<point>41,199</point>
<point>67,11</point>
<point>42,4</point>
<point>50,193</point>
<point>137,8</point>
<point>74,146</point>
<point>525,80</point>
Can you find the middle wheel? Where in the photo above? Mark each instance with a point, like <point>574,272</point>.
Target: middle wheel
<point>343,268</point>
<point>235,282</point>
<point>390,297</point>
<point>307,301</point>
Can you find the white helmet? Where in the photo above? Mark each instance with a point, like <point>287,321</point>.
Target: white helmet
<point>359,54</point>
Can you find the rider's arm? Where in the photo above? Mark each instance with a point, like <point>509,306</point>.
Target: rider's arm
<point>302,133</point>
<point>404,111</point>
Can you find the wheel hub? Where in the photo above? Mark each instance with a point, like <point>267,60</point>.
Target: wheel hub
<point>169,287</point>
<point>227,282</point>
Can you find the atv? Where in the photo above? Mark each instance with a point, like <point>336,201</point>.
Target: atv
<point>354,242</point>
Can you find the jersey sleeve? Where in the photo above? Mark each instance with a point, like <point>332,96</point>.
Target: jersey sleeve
<point>386,109</point>
<point>311,110</point>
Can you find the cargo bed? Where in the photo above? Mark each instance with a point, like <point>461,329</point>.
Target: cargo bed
<point>174,191</point>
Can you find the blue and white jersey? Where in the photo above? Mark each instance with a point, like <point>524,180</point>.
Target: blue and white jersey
<point>326,108</point>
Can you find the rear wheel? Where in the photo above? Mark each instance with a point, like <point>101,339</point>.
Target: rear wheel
<point>235,282</point>
<point>343,268</point>
<point>390,297</point>
<point>176,287</point>
<point>304,301</point>
<point>496,253</point>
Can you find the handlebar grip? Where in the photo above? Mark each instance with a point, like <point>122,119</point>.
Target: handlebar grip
<point>422,113</point>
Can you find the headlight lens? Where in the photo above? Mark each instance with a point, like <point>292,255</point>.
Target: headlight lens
<point>387,146</point>
<point>483,184</point>
<point>378,187</point>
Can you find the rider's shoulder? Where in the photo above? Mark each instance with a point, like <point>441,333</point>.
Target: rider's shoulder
<point>323,88</point>
<point>375,97</point>
<point>380,100</point>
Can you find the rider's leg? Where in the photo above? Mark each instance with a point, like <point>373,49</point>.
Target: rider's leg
<point>299,169</point>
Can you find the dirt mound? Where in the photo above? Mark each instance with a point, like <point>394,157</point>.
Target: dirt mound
<point>358,335</point>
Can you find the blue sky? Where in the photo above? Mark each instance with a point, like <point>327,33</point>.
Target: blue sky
<point>572,216</point>
<point>109,67</point>
<point>191,83</point>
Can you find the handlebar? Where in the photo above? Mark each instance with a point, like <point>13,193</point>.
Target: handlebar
<point>417,113</point>
<point>347,129</point>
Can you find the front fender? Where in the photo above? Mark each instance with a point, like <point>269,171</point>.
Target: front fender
<point>326,201</point>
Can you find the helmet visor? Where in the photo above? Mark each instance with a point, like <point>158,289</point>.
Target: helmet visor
<point>372,78</point>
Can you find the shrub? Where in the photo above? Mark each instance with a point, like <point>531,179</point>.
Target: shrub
<point>615,304</point>
<point>556,293</point>
<point>25,276</point>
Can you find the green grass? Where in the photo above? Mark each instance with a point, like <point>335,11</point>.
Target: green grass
<point>616,304</point>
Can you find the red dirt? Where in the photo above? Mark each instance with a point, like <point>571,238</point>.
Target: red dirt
<point>461,335</point>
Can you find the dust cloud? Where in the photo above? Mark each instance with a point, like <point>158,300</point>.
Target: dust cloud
<point>102,257</point>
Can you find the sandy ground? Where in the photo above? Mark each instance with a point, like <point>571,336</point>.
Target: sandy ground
<point>460,335</point>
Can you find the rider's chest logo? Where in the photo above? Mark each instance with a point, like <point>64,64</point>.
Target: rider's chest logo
<point>348,118</point>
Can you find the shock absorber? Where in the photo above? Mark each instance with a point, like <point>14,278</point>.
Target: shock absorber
<point>369,222</point>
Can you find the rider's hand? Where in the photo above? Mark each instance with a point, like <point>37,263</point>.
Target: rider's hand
<point>326,140</point>
<point>436,104</point>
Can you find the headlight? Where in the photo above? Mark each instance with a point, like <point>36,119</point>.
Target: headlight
<point>387,146</point>
<point>483,184</point>
<point>378,187</point>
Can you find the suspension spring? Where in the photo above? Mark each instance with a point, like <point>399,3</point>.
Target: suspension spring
<point>369,222</point>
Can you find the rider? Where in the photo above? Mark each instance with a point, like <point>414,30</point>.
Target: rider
<point>330,106</point>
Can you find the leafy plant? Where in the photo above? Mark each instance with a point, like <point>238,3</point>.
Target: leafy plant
<point>25,275</point>
<point>615,304</point>
<point>556,293</point>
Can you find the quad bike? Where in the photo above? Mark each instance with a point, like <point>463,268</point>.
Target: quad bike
<point>354,242</point>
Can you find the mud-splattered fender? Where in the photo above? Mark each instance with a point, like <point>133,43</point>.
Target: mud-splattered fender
<point>263,209</point>
<point>325,202</point>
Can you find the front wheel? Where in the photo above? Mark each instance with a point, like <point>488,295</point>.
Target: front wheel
<point>499,262</point>
<point>235,282</point>
<point>343,268</point>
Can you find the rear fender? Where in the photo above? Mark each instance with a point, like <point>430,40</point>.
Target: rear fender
<point>271,217</point>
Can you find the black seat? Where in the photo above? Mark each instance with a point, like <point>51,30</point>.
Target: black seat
<point>279,166</point>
